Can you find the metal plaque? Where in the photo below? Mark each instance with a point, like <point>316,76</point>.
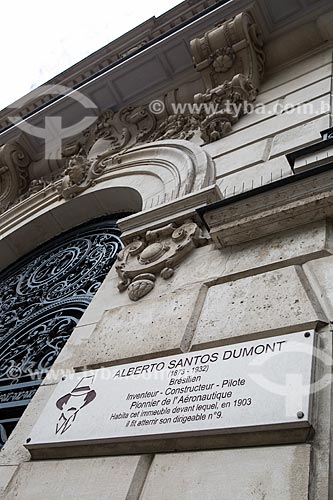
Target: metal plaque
<point>262,385</point>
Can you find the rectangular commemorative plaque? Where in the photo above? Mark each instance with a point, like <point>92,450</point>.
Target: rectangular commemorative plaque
<point>244,394</point>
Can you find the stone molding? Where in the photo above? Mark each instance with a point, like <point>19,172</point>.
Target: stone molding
<point>315,155</point>
<point>181,168</point>
<point>176,211</point>
<point>114,51</point>
<point>278,208</point>
<point>166,180</point>
<point>158,252</point>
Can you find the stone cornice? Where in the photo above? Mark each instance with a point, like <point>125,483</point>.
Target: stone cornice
<point>177,211</point>
<point>292,15</point>
<point>116,50</point>
<point>282,205</point>
<point>231,60</point>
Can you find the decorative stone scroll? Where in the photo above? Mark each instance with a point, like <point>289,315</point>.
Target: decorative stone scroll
<point>157,253</point>
<point>14,163</point>
<point>234,47</point>
<point>114,131</point>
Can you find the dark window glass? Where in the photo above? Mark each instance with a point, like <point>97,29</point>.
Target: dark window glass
<point>42,298</point>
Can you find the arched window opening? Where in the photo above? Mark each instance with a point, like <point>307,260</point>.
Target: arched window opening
<point>42,298</point>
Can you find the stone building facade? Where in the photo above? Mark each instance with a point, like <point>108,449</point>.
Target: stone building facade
<point>211,147</point>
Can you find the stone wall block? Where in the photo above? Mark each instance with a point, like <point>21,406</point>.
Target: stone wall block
<point>320,275</point>
<point>105,478</point>
<point>241,158</point>
<point>306,66</point>
<point>293,85</point>
<point>254,176</point>
<point>271,303</point>
<point>64,363</point>
<point>160,326</point>
<point>14,453</point>
<point>294,246</point>
<point>299,136</point>
<point>6,474</point>
<point>272,473</point>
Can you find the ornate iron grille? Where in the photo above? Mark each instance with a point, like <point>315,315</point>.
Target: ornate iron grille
<point>42,298</point>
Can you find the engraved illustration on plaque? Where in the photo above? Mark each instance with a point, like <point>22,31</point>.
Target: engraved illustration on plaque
<point>71,403</point>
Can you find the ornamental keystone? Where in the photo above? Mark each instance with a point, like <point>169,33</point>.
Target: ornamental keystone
<point>158,252</point>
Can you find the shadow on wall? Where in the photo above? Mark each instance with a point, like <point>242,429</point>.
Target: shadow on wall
<point>47,224</point>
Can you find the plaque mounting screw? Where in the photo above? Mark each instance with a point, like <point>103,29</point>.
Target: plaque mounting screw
<point>300,414</point>
<point>63,378</point>
<point>307,334</point>
<point>28,440</point>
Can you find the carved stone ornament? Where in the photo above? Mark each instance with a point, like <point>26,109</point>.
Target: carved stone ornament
<point>230,60</point>
<point>230,100</point>
<point>114,131</point>
<point>157,253</point>
<point>234,47</point>
<point>77,177</point>
<point>177,127</point>
<point>80,174</point>
<point>35,186</point>
<point>14,163</point>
